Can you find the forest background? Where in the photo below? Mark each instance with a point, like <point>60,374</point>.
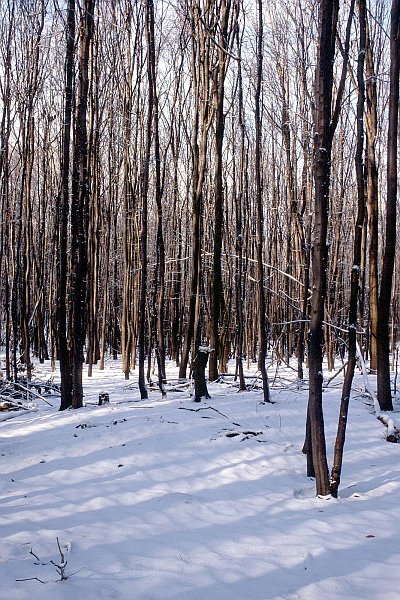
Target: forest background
<point>219,173</point>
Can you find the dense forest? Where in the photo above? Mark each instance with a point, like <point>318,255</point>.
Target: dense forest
<point>188,173</point>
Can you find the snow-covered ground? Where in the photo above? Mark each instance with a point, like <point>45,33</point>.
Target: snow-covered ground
<point>158,499</point>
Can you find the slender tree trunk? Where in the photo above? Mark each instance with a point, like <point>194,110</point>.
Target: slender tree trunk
<point>159,282</point>
<point>357,259</point>
<point>239,201</point>
<point>219,96</point>
<point>383,342</point>
<point>80,205</point>
<point>328,12</point>
<point>6,226</point>
<point>144,184</point>
<point>63,350</point>
<point>176,312</point>
<point>202,121</point>
<point>372,197</point>
<point>262,351</point>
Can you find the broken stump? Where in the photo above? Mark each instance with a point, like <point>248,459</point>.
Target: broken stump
<point>104,398</point>
<point>199,374</point>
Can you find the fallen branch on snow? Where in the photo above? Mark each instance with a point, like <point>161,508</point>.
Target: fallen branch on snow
<point>246,434</point>
<point>60,567</point>
<point>366,380</point>
<point>393,432</point>
<point>203,408</point>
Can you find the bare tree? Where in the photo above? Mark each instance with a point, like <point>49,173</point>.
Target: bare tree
<point>357,258</point>
<point>80,193</point>
<point>328,15</point>
<point>385,293</point>
<point>219,74</point>
<point>201,48</point>
<point>262,331</point>
<point>63,199</point>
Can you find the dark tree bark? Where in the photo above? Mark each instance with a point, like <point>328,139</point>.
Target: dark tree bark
<point>80,205</point>
<point>199,375</point>
<point>6,226</point>
<point>144,188</point>
<point>159,280</point>
<point>328,14</point>
<point>219,96</point>
<point>239,201</point>
<point>202,120</point>
<point>326,120</point>
<point>262,351</point>
<point>385,294</point>
<point>63,215</point>
<point>357,258</point>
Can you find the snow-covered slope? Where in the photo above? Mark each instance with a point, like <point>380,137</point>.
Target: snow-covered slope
<point>171,499</point>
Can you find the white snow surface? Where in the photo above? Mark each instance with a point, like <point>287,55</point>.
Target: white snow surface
<point>151,500</point>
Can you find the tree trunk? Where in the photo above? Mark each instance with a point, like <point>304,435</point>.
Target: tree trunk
<point>328,13</point>
<point>357,258</point>
<point>239,202</point>
<point>159,280</point>
<point>199,375</point>
<point>383,342</point>
<point>144,188</point>
<point>262,350</point>
<point>219,96</point>
<point>80,206</point>
<point>372,197</point>
<point>200,73</point>
<point>63,350</point>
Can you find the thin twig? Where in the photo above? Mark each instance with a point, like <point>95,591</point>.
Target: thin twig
<point>335,375</point>
<point>33,554</point>
<point>30,391</point>
<point>31,579</point>
<point>59,549</point>
<point>203,408</point>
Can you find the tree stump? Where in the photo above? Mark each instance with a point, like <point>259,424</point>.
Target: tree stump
<point>104,398</point>
<point>199,375</point>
